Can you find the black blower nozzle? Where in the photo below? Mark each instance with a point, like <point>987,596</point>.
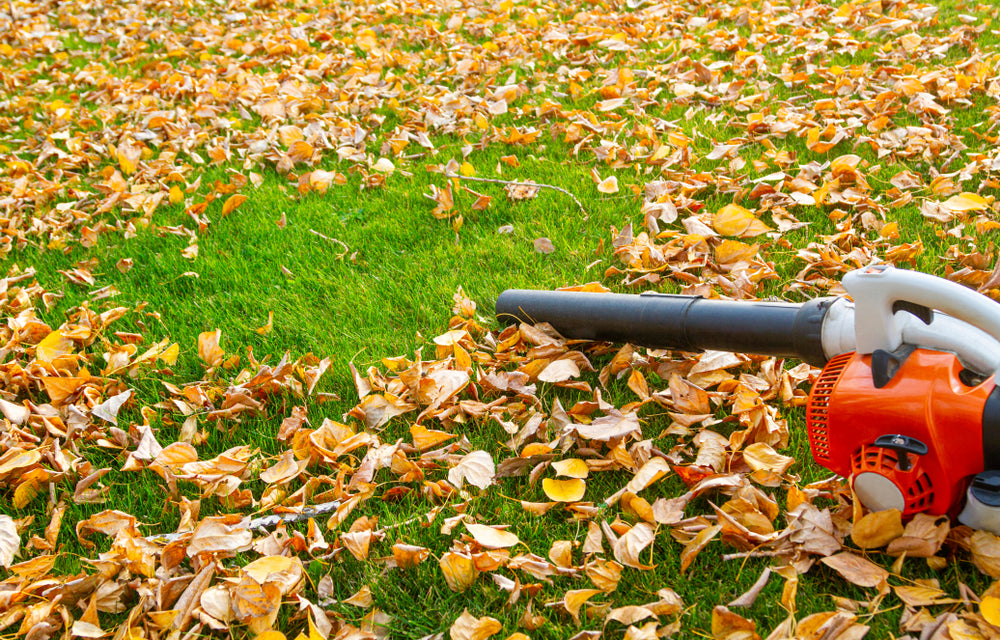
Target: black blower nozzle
<point>686,323</point>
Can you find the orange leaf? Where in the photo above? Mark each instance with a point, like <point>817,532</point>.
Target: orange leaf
<point>208,347</point>
<point>232,202</point>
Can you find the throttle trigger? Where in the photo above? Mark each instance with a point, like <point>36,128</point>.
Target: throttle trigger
<point>926,314</point>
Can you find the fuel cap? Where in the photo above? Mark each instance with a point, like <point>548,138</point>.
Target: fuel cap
<point>986,487</point>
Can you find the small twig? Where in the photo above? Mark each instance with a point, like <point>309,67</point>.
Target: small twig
<point>514,182</point>
<point>755,554</point>
<point>328,238</point>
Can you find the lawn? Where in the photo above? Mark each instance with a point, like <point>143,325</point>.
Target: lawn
<point>250,257</point>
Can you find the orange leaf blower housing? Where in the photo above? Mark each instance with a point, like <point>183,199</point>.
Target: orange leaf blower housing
<point>911,444</point>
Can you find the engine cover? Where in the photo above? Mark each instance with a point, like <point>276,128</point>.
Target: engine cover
<point>923,402</point>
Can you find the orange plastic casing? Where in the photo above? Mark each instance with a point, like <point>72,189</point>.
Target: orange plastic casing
<point>925,400</point>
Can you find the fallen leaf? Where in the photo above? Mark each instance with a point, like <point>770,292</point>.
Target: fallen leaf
<point>857,570</point>
<point>490,537</point>
<point>877,529</point>
<point>571,468</point>
<point>476,468</point>
<point>571,490</point>
<point>543,245</point>
<point>469,627</point>
<point>10,541</point>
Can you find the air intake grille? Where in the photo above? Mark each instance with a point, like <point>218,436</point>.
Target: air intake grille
<point>818,406</point>
<point>916,484</point>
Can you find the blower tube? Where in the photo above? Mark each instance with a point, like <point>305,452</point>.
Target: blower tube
<point>685,323</point>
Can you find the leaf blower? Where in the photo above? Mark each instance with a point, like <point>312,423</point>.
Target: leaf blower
<point>906,406</point>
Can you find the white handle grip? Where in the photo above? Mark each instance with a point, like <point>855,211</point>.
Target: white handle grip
<point>877,288</point>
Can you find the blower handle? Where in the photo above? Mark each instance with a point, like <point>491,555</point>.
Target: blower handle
<point>880,291</point>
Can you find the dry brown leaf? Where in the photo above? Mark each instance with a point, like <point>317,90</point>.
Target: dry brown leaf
<point>693,548</point>
<point>284,572</point>
<point>476,468</point>
<point>760,456</point>
<point>985,548</point>
<point>605,574</point>
<point>544,245</point>
<point>727,625</point>
<point>857,570</point>
<point>922,537</point>
<point>632,543</point>
<point>10,541</point>
<point>363,598</point>
<point>469,627</point>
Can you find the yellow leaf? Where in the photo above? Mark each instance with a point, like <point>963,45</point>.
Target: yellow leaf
<point>877,529</point>
<point>731,251</point>
<point>693,548</point>
<point>25,493</point>
<point>128,157</point>
<point>574,599</point>
<point>169,355</point>
<point>60,389</point>
<point>989,608</point>
<point>363,598</point>
<point>564,490</point>
<point>965,202</point>
<point>459,570</point>
<point>734,220</point>
<point>300,151</point>
<point>760,455</point>
<point>282,571</point>
<point>910,42</point>
<point>605,574</point>
<point>232,202</point>
<point>176,195</point>
<point>54,345</point>
<point>424,438</point>
<point>384,165</point>
<point>490,537</point>
<point>890,231</point>
<point>467,170</point>
<point>271,634</point>
<point>571,468</point>
<point>256,602</point>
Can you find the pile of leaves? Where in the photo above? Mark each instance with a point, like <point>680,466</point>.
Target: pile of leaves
<point>110,114</point>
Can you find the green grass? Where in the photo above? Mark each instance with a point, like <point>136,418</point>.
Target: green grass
<point>389,293</point>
